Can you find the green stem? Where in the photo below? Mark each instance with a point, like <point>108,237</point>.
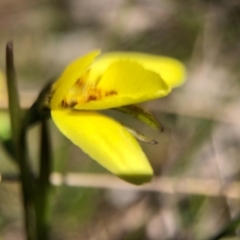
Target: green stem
<point>19,142</point>
<point>44,186</point>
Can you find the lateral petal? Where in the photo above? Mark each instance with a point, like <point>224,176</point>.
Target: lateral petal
<point>171,70</point>
<point>107,142</point>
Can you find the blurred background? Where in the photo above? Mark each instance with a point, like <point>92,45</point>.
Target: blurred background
<point>196,191</point>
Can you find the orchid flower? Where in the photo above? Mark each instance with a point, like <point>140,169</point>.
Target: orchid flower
<point>111,80</point>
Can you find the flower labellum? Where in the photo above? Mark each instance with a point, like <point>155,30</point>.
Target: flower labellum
<point>112,80</point>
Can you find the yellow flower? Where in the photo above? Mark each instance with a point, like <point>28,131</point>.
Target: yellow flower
<point>109,81</point>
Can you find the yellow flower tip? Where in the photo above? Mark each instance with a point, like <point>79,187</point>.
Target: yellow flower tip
<point>137,179</point>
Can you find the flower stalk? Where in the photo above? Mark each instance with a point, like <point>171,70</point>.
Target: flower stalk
<point>42,198</point>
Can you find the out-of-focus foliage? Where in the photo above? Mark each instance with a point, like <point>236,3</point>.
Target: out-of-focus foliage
<point>201,140</point>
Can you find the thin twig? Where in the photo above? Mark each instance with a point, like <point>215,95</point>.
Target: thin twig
<point>169,185</point>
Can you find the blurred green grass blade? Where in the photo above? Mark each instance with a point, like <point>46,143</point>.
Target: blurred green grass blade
<point>230,228</point>
<point>137,234</point>
<point>19,143</point>
<point>189,208</point>
<point>203,132</point>
<point>13,98</point>
<point>142,115</point>
<point>5,135</point>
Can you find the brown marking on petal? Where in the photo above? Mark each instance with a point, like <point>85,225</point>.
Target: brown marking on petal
<point>64,104</point>
<point>80,82</point>
<point>95,94</point>
<point>91,98</point>
<point>70,104</point>
<point>110,93</point>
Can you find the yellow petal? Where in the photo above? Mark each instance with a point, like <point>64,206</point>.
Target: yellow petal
<point>72,73</point>
<point>123,83</point>
<point>171,70</point>
<point>107,142</point>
